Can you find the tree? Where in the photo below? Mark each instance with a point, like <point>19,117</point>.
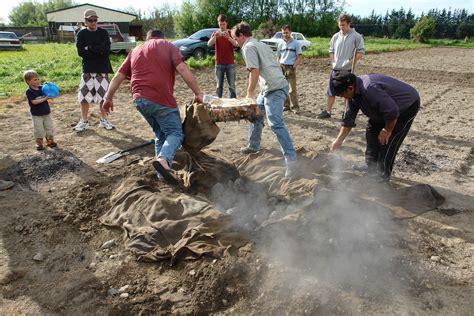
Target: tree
<point>424,29</point>
<point>32,13</point>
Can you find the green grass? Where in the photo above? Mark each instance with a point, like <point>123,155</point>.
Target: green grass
<point>60,63</point>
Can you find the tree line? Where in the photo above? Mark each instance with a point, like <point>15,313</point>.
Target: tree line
<point>311,17</point>
<point>397,24</point>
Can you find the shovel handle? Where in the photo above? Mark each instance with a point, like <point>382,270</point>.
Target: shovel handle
<point>138,146</point>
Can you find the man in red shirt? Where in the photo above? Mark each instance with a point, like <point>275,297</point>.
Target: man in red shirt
<point>224,56</point>
<point>151,70</point>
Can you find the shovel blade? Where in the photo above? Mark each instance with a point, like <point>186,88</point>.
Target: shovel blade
<point>109,157</point>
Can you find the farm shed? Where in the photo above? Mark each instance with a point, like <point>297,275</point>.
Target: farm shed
<point>73,15</point>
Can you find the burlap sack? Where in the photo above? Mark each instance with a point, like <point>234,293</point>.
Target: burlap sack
<point>199,130</point>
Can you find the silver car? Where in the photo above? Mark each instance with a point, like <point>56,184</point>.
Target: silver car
<point>278,37</point>
<point>9,40</point>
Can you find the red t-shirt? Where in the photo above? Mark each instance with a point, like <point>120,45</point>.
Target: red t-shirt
<point>224,54</point>
<point>151,70</point>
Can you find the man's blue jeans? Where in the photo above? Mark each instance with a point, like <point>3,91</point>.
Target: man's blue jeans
<point>271,105</point>
<point>229,71</point>
<point>166,125</point>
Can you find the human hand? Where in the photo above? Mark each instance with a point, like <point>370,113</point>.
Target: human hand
<point>384,136</point>
<point>198,98</point>
<point>336,144</point>
<point>107,106</point>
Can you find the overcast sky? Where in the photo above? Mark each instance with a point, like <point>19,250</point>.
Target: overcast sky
<point>357,7</point>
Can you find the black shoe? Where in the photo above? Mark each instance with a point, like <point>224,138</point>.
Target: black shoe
<point>324,115</point>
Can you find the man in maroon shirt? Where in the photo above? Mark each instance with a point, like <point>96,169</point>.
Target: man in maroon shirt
<point>224,56</point>
<point>151,70</point>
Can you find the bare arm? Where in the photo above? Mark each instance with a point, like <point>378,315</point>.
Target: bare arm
<point>298,61</point>
<point>41,100</point>
<point>331,58</point>
<point>108,105</point>
<point>212,40</point>
<point>386,132</point>
<point>188,77</point>
<point>253,80</point>
<point>337,143</point>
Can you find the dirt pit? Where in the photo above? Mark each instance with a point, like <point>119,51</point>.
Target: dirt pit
<point>325,243</point>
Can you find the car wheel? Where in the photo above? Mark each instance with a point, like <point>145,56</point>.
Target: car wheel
<point>304,48</point>
<point>199,53</point>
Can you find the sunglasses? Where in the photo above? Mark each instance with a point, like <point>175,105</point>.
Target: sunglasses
<point>91,20</point>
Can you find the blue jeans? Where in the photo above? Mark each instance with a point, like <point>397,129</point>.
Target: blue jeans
<point>229,71</point>
<point>272,106</point>
<point>166,125</point>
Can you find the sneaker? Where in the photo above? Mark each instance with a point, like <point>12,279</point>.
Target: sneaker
<point>324,114</point>
<point>39,147</point>
<point>159,176</point>
<point>291,170</point>
<point>81,126</point>
<point>247,150</point>
<point>105,124</point>
<point>4,184</point>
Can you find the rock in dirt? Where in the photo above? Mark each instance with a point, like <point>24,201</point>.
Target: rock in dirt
<point>124,295</point>
<point>435,258</point>
<point>108,244</point>
<point>124,288</point>
<point>38,257</point>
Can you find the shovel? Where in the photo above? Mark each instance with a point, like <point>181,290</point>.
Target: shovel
<point>116,155</point>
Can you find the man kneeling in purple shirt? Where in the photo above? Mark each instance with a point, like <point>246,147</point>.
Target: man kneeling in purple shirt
<point>391,106</point>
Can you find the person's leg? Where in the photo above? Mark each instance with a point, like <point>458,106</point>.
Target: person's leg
<point>143,106</point>
<point>38,131</point>
<point>84,96</point>
<point>255,128</point>
<point>389,152</point>
<point>230,74</point>
<point>326,113</point>
<point>49,130</point>
<point>166,124</point>
<point>372,150</point>
<point>85,111</point>
<point>330,103</point>
<point>219,69</point>
<point>293,95</point>
<point>273,102</point>
<point>287,104</point>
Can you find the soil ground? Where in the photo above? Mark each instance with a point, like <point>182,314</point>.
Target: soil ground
<point>422,265</point>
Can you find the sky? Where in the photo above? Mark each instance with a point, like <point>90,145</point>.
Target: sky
<point>355,7</point>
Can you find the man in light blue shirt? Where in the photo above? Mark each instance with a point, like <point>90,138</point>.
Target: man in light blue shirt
<point>264,70</point>
<point>289,56</point>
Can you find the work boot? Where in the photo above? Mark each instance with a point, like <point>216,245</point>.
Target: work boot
<point>4,185</point>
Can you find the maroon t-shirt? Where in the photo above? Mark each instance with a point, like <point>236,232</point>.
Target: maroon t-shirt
<point>224,54</point>
<point>151,70</point>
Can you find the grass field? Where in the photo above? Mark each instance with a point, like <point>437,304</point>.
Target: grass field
<point>60,63</point>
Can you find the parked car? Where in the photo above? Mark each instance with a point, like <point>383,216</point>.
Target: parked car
<point>278,37</point>
<point>9,40</point>
<point>196,45</point>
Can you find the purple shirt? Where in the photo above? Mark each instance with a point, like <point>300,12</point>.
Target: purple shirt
<point>380,97</point>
